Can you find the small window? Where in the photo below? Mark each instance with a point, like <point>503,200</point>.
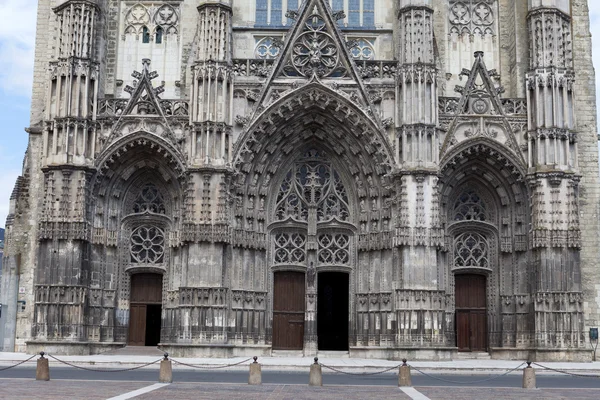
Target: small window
<point>145,35</point>
<point>159,35</point>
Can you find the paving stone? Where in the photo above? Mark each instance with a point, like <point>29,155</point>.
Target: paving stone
<point>435,393</point>
<point>62,389</point>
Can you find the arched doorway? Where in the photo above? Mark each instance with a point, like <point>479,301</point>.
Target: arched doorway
<point>471,312</point>
<point>311,232</point>
<point>145,310</point>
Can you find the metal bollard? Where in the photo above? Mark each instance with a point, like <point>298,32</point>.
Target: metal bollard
<point>404,374</point>
<point>42,372</point>
<point>255,377</point>
<point>315,378</point>
<point>166,370</point>
<point>529,377</point>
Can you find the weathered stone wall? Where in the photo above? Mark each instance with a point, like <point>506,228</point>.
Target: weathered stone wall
<point>585,106</point>
<point>440,163</point>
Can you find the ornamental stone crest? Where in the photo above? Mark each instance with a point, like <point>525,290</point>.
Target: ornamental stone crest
<point>315,51</point>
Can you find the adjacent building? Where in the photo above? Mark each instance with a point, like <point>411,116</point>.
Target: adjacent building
<point>386,178</point>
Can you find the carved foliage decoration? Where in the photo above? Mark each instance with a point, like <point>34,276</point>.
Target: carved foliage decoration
<point>472,17</point>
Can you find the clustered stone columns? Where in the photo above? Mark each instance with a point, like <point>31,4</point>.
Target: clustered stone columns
<point>417,147</point>
<point>553,176</point>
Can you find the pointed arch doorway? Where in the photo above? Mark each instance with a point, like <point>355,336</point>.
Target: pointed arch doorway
<point>145,310</point>
<point>313,244</point>
<point>471,312</point>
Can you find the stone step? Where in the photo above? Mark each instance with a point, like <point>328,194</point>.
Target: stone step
<point>475,355</point>
<point>287,353</point>
<point>333,354</point>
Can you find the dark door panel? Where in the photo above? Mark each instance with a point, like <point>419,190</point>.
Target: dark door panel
<point>471,312</point>
<point>288,311</point>
<point>137,325</point>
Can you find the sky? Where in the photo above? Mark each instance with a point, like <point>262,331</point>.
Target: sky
<point>17,37</point>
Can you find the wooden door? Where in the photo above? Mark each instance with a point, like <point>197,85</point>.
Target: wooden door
<point>471,313</point>
<point>146,291</point>
<point>137,325</point>
<point>288,311</point>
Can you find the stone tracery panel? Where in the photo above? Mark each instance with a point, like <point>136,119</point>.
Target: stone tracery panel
<point>334,249</point>
<point>290,248</point>
<point>472,17</point>
<point>471,250</point>
<point>149,200</point>
<point>312,182</point>
<point>469,206</point>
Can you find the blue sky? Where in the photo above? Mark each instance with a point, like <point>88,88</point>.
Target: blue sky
<point>17,36</point>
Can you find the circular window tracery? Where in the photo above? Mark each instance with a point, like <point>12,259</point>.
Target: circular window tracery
<point>147,245</point>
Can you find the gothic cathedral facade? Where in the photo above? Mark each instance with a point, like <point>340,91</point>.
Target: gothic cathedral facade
<point>388,178</point>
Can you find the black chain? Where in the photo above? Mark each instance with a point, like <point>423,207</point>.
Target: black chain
<point>467,382</point>
<point>567,372</point>
<point>360,373</point>
<point>209,367</point>
<point>103,369</point>
<point>16,365</point>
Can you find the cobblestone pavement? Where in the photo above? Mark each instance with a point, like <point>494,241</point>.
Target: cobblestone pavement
<point>180,391</point>
<point>62,389</point>
<point>438,393</point>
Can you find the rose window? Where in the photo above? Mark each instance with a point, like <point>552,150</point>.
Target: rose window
<point>147,245</point>
<point>315,51</point>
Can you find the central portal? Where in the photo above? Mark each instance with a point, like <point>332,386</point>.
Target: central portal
<point>332,311</point>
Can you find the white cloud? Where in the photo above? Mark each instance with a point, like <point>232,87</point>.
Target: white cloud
<point>17,38</point>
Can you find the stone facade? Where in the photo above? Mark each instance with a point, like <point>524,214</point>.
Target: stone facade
<point>219,143</point>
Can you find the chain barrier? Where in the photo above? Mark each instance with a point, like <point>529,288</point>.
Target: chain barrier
<point>17,364</point>
<point>360,373</point>
<point>467,382</point>
<point>567,372</point>
<point>198,366</point>
<point>103,369</point>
